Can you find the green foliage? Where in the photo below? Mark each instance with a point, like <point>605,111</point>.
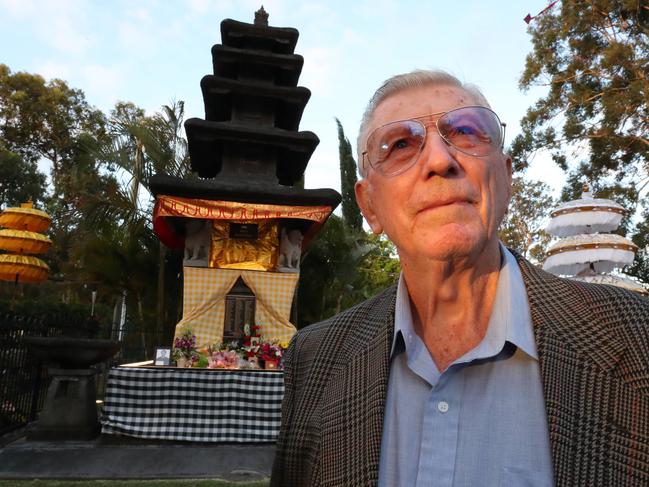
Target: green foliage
<point>351,213</point>
<point>593,56</point>
<point>43,120</point>
<point>379,267</point>
<point>640,266</point>
<point>72,320</point>
<point>341,268</point>
<point>21,180</point>
<point>50,120</point>
<point>139,147</point>
<point>523,226</point>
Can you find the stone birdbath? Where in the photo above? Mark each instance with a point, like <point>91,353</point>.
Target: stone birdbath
<point>70,411</point>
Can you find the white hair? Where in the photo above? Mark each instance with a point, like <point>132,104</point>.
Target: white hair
<point>403,82</point>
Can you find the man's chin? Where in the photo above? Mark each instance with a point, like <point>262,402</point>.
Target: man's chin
<point>451,245</point>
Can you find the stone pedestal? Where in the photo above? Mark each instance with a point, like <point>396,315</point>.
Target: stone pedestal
<point>70,411</point>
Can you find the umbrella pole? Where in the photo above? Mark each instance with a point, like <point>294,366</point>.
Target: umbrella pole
<point>13,295</point>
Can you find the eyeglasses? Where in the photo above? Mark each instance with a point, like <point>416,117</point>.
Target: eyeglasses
<point>395,147</point>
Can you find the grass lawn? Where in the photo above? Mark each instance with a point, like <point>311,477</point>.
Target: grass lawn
<point>129,483</point>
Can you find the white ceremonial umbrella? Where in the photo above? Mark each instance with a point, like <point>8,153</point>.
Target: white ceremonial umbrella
<point>585,215</point>
<point>598,253</point>
<point>619,281</point>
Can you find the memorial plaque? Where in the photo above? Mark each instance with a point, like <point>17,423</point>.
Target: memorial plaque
<point>247,231</point>
<point>239,310</point>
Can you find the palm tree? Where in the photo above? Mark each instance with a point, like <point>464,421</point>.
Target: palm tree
<point>139,147</point>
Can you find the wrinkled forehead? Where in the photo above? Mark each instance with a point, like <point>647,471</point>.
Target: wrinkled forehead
<point>419,102</point>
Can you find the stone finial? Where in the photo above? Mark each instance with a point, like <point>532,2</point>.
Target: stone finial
<point>261,17</point>
<point>586,193</point>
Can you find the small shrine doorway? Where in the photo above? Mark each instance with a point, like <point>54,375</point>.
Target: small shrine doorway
<point>239,310</point>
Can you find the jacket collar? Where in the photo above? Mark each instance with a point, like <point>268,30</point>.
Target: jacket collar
<point>564,310</point>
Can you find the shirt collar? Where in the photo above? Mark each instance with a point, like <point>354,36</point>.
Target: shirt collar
<point>510,319</point>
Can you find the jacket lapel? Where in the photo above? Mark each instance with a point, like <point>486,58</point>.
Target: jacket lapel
<point>576,352</point>
<point>354,401</point>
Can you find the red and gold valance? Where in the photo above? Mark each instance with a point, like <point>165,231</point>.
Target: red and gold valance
<point>174,206</point>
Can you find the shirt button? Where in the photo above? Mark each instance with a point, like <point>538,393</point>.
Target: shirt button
<point>442,406</point>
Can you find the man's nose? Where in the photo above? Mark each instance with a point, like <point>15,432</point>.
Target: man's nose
<point>437,157</point>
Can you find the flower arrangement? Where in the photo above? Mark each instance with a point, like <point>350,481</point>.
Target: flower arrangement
<point>223,359</point>
<point>251,352</point>
<point>269,351</point>
<point>184,349</point>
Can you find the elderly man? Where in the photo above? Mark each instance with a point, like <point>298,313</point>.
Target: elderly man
<point>477,369</point>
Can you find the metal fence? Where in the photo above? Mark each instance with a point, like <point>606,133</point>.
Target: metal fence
<point>23,380</point>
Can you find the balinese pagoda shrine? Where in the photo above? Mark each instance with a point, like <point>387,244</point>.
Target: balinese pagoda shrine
<point>244,217</point>
<point>586,251</point>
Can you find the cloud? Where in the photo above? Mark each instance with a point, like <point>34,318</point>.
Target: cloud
<point>17,9</point>
<point>323,170</point>
<point>198,7</point>
<point>136,37</point>
<point>52,69</point>
<point>140,14</point>
<point>62,24</point>
<point>319,66</point>
<point>104,84</point>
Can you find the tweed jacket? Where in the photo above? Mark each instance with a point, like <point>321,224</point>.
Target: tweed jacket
<point>593,348</point>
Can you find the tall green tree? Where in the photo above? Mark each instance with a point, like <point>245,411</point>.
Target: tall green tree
<point>330,272</point>
<point>40,119</point>
<point>593,57</point>
<point>351,213</point>
<point>523,226</point>
<point>48,120</point>
<point>21,180</point>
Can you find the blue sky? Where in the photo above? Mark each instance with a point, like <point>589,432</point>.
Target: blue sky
<point>153,51</point>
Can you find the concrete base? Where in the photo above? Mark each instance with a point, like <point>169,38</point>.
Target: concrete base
<point>113,457</point>
<point>70,412</point>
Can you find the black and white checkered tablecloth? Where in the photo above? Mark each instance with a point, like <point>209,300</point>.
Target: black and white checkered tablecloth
<point>193,404</point>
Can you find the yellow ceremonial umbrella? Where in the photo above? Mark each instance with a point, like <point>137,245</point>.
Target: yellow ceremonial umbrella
<point>25,218</point>
<point>24,242</point>
<point>20,237</point>
<point>22,268</point>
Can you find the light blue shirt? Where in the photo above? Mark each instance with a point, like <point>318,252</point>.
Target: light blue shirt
<point>482,421</point>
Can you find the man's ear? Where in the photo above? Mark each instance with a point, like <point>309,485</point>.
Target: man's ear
<point>364,202</point>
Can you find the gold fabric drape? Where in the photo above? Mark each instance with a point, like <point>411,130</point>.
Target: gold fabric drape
<point>204,302</point>
<point>238,253</point>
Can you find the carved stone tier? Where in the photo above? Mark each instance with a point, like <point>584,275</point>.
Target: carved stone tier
<point>252,103</point>
<point>247,153</point>
<point>281,40</point>
<point>217,189</point>
<point>269,68</point>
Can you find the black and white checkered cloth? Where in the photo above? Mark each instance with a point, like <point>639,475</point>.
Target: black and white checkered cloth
<point>194,404</point>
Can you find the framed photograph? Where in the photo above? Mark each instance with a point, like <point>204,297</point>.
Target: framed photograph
<point>162,356</point>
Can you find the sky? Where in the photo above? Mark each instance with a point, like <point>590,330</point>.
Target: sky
<point>151,52</point>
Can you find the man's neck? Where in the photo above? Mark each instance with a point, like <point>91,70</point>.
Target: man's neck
<point>451,302</point>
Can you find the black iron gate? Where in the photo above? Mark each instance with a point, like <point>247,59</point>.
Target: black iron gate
<point>23,382</point>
